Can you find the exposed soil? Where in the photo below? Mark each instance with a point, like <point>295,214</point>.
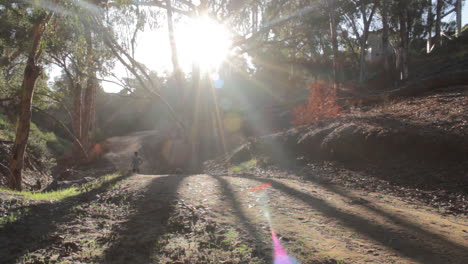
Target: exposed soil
<point>445,109</point>
<point>415,148</point>
<point>428,128</point>
<point>216,219</point>
<point>380,185</point>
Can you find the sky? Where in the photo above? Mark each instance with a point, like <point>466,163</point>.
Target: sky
<point>154,50</point>
<point>202,40</point>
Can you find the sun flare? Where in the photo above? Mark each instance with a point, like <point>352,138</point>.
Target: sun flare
<point>202,41</point>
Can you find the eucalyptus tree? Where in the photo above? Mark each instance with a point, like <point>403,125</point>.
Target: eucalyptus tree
<point>76,49</point>
<point>122,18</point>
<point>67,51</point>
<point>385,36</point>
<point>29,25</point>
<point>26,24</point>
<point>367,15</point>
<point>438,22</point>
<point>458,7</point>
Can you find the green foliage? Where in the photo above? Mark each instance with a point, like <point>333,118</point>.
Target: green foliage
<point>7,130</point>
<point>12,217</point>
<point>244,166</point>
<point>60,146</point>
<point>40,143</point>
<point>47,196</point>
<point>68,192</point>
<point>4,124</point>
<point>39,140</point>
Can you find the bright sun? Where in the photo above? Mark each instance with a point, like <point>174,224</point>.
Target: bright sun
<point>202,41</point>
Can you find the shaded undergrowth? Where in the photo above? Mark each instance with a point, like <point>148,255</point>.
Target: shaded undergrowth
<point>192,238</point>
<point>36,228</point>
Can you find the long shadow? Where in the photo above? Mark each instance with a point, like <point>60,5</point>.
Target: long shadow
<point>391,217</point>
<point>34,230</point>
<point>135,240</point>
<point>244,220</point>
<point>432,184</point>
<point>413,249</point>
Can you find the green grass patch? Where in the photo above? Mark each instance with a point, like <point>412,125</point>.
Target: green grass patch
<point>244,166</point>
<point>12,217</point>
<point>68,192</point>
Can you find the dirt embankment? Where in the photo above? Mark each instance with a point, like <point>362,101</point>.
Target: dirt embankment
<point>417,147</point>
<point>433,127</point>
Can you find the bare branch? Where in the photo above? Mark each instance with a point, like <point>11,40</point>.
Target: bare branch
<point>73,137</point>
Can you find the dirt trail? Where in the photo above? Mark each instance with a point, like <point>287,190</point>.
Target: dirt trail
<point>320,222</point>
<point>139,220</point>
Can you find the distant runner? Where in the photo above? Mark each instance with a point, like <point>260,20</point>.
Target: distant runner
<point>136,161</point>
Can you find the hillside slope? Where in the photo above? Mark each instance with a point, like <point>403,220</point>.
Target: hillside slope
<point>415,146</point>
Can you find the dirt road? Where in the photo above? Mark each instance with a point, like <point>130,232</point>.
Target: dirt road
<point>220,219</point>
<point>320,222</point>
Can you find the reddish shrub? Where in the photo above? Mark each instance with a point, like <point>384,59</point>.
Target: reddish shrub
<point>322,104</point>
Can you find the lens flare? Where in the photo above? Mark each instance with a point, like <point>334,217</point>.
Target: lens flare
<point>280,256</point>
<point>259,187</point>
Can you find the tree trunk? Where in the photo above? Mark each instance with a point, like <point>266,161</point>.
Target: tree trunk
<point>31,73</point>
<point>181,107</point>
<point>365,33</point>
<point>89,110</point>
<point>403,16</point>
<point>194,137</point>
<point>77,116</point>
<point>385,43</point>
<point>458,7</point>
<point>254,18</point>
<point>438,24</point>
<point>430,22</point>
<point>87,123</point>
<point>406,54</point>
<point>362,59</point>
<point>170,26</point>
<point>334,39</point>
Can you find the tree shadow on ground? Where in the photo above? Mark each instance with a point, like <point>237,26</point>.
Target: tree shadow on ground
<point>35,229</point>
<point>135,241</point>
<point>259,237</point>
<point>420,250</point>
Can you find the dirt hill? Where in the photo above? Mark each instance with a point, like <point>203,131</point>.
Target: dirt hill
<point>417,143</point>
